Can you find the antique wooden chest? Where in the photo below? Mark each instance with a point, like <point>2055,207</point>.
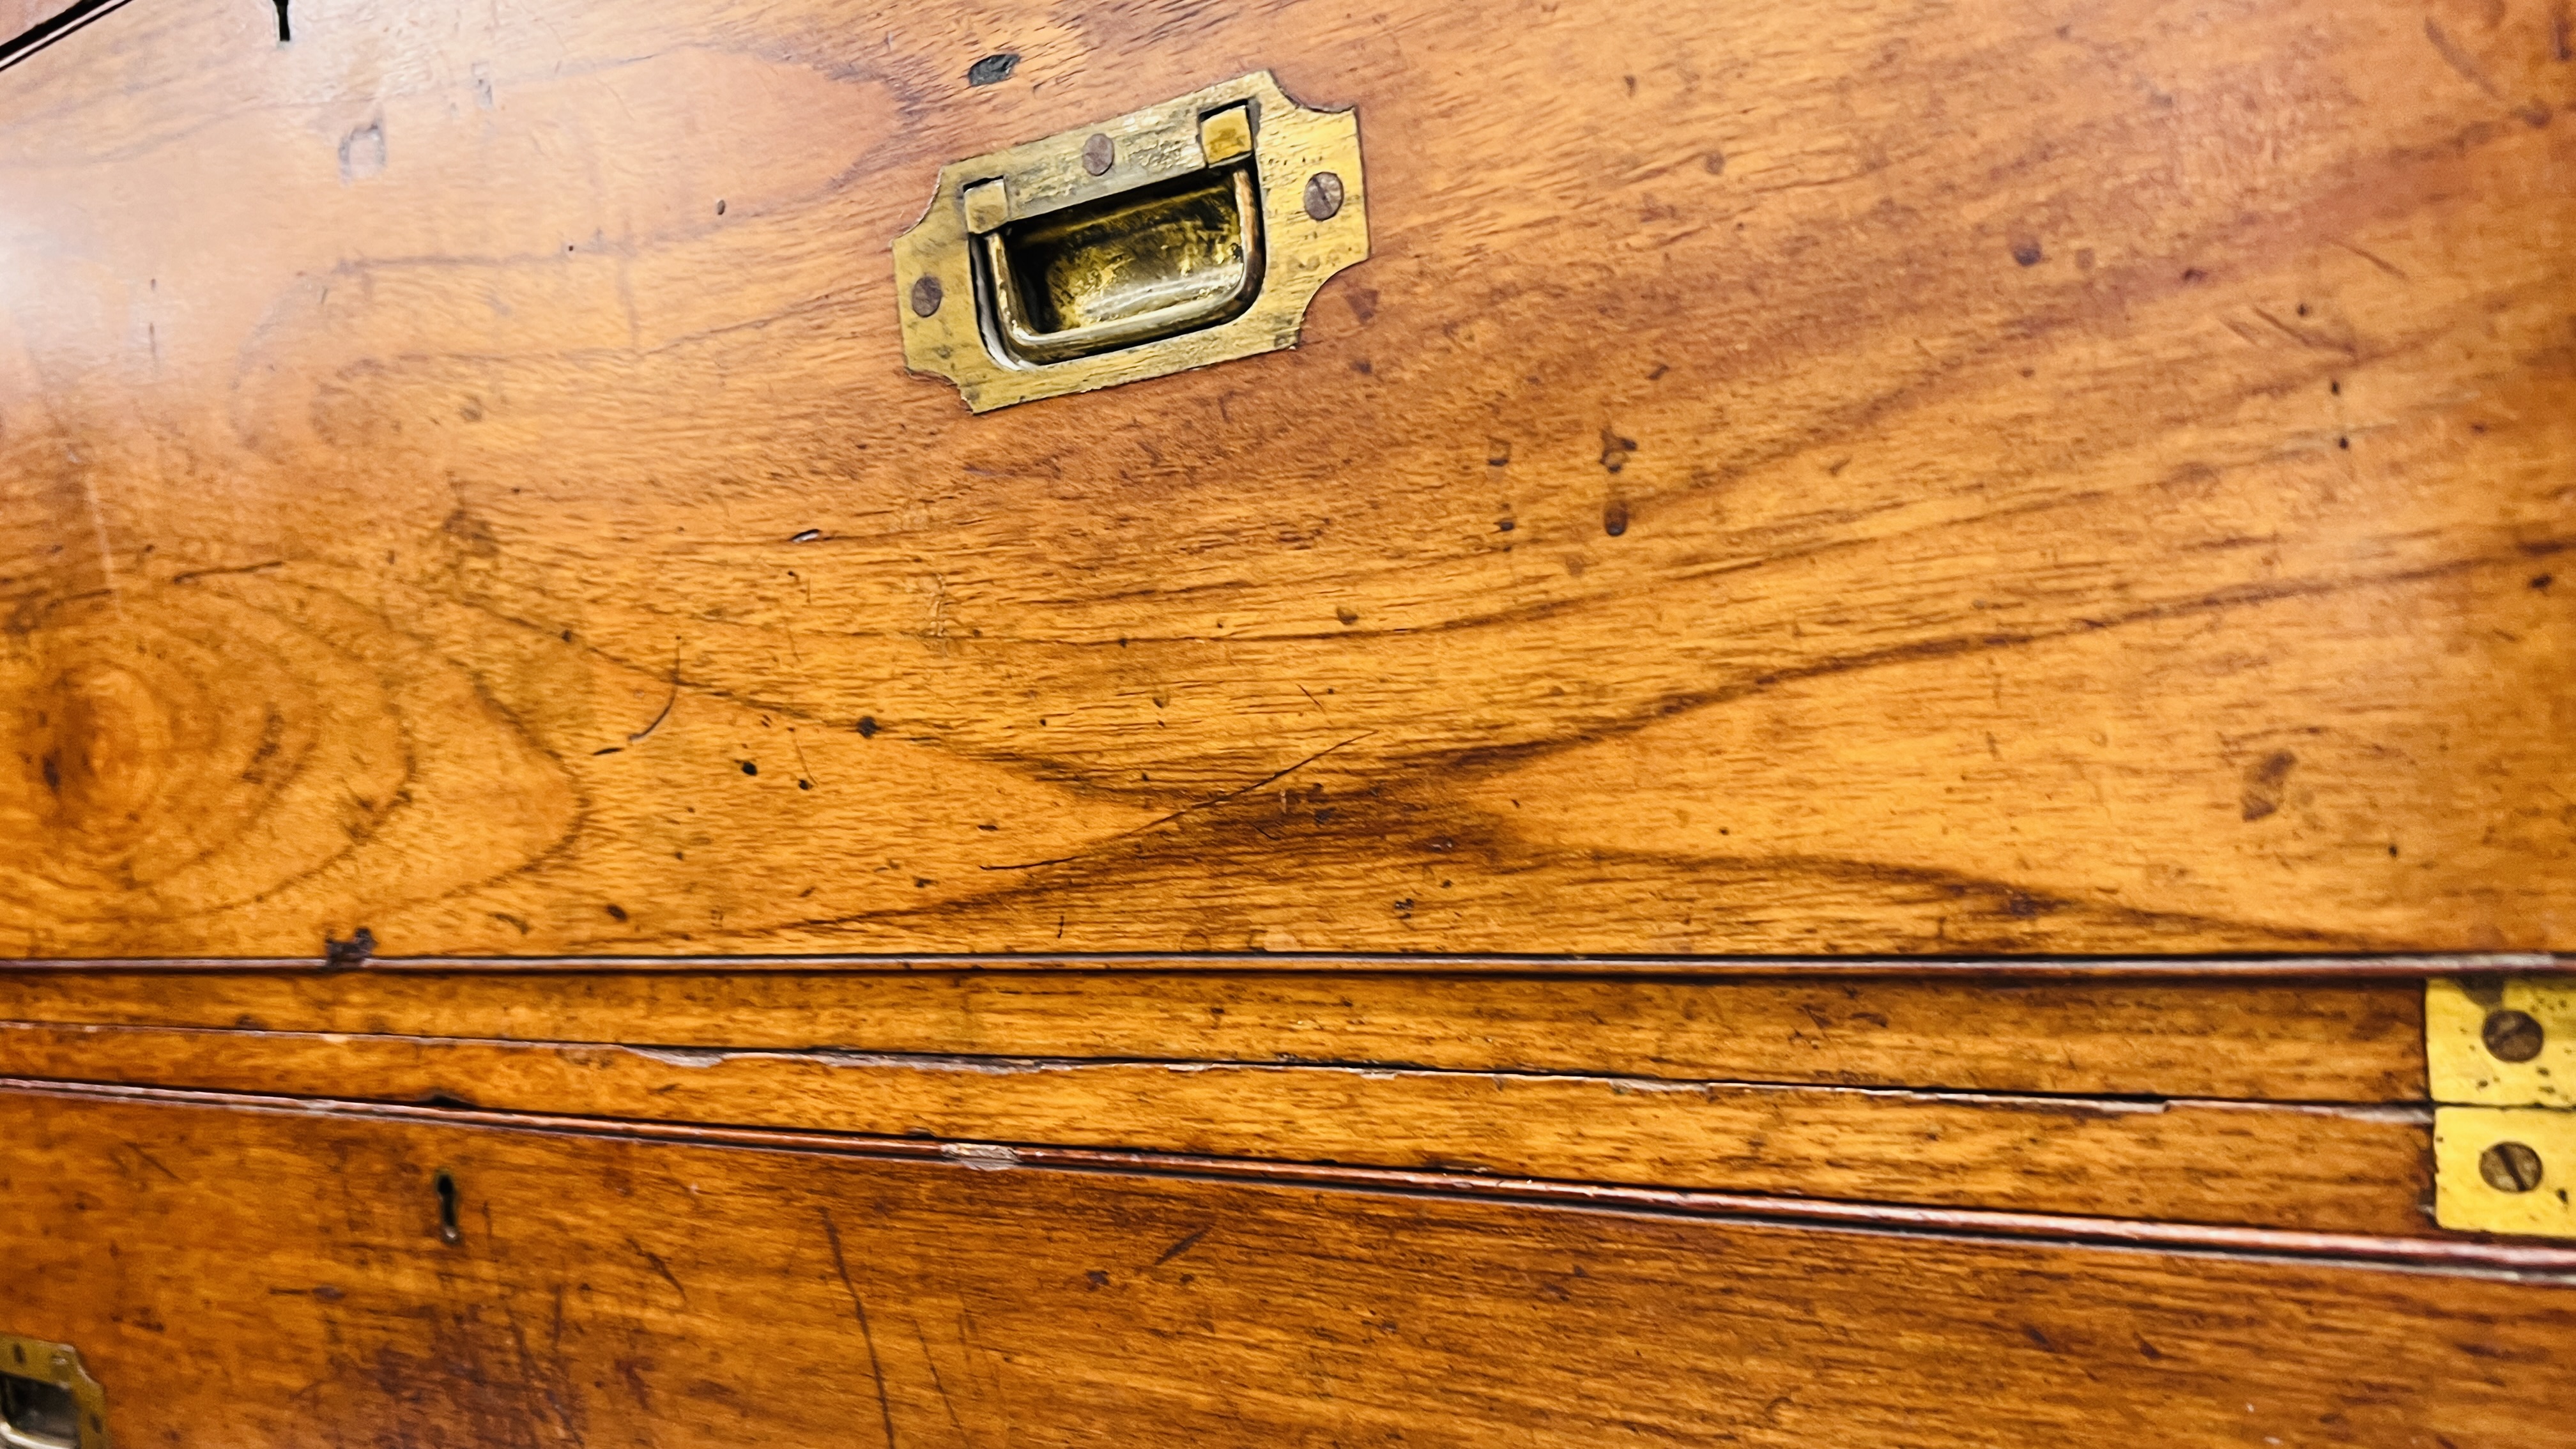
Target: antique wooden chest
<point>1145,723</point>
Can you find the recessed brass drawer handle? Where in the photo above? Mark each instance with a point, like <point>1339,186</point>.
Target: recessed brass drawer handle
<point>1183,234</point>
<point>1237,280</point>
<point>47,1399</point>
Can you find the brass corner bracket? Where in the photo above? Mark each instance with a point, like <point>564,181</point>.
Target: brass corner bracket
<point>2500,1056</point>
<point>47,1398</point>
<point>1184,234</point>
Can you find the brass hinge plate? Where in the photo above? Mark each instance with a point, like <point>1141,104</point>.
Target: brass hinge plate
<point>2500,1057</point>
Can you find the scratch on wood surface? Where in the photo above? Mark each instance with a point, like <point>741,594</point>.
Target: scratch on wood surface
<point>2308,336</point>
<point>2460,60</point>
<point>549,1380</point>
<point>1185,1244</point>
<point>2376,260</point>
<point>192,575</point>
<point>667,703</point>
<point>661,1268</point>
<point>936,1382</point>
<point>98,530</point>
<point>859,1309</point>
<point>152,1162</point>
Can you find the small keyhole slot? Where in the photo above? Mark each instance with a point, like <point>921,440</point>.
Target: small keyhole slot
<point>443,1183</point>
<point>284,34</point>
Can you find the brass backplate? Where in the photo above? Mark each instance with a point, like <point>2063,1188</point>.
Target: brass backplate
<point>946,319</point>
<point>58,1365</point>
<point>2505,1170</point>
<point>2500,1057</point>
<point>2536,1012</point>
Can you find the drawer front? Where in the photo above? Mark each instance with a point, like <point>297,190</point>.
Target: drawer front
<point>1904,479</point>
<point>2161,1104</point>
<point>248,1277</point>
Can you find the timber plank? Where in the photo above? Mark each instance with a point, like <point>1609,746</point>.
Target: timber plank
<point>1884,478</point>
<point>254,1278</point>
<point>2312,1168</point>
<point>2310,1041</point>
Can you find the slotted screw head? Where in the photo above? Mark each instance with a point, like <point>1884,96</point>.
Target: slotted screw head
<point>1323,195</point>
<point>2512,1036</point>
<point>2510,1167</point>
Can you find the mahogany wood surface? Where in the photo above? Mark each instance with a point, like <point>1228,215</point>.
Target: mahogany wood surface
<point>2282,1041</point>
<point>1881,477</point>
<point>2472,1252</point>
<point>2315,1168</point>
<point>1865,484</point>
<point>259,1277</point>
<point>19,16</point>
<point>2288,1104</point>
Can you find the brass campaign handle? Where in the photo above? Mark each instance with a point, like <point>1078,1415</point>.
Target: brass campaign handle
<point>13,1437</point>
<point>1191,232</point>
<point>47,1398</point>
<point>1011,315</point>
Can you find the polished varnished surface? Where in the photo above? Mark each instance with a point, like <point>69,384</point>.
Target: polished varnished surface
<point>2320,1041</point>
<point>19,16</point>
<point>1879,478</point>
<point>2296,1104</point>
<point>2310,1168</point>
<point>1891,479</point>
<point>2288,1104</point>
<point>281,1277</point>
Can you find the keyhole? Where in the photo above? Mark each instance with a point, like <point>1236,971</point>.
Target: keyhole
<point>443,1182</point>
<point>283,34</point>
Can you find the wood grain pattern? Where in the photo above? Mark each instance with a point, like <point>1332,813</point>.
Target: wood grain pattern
<point>2272,1041</point>
<point>1883,478</point>
<point>255,1278</point>
<point>2470,1253</point>
<point>2313,1168</point>
<point>17,16</point>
